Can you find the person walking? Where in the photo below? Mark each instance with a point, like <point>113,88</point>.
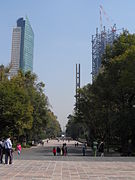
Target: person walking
<point>83,150</point>
<point>58,151</point>
<point>129,153</point>
<point>95,144</point>
<point>8,151</point>
<point>2,150</point>
<point>101,149</point>
<point>19,148</point>
<point>54,151</point>
<point>65,151</point>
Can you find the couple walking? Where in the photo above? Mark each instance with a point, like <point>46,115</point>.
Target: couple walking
<point>6,148</point>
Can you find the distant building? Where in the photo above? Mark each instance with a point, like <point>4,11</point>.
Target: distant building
<point>22,47</point>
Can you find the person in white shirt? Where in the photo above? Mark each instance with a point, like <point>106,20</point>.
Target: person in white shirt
<point>8,151</point>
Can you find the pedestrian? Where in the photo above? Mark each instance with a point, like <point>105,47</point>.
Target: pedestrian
<point>101,149</point>
<point>95,144</point>
<point>61,152</point>
<point>65,150</point>
<point>54,151</point>
<point>2,150</point>
<point>8,151</point>
<point>58,151</point>
<point>19,148</point>
<point>129,153</point>
<point>83,150</point>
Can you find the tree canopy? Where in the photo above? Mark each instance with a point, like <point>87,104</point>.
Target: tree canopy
<point>107,105</point>
<point>24,107</point>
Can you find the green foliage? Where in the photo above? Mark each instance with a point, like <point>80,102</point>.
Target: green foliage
<point>53,128</point>
<point>24,107</point>
<point>106,106</point>
<point>75,129</point>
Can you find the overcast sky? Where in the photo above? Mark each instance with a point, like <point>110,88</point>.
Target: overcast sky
<point>63,30</point>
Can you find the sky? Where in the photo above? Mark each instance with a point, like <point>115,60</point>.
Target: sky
<point>63,30</point>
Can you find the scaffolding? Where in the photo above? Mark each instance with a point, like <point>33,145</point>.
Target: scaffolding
<point>99,43</point>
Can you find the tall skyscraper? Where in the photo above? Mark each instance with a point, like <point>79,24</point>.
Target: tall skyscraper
<point>22,47</point>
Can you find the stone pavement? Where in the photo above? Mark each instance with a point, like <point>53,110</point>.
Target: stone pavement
<point>38,163</point>
<point>67,170</point>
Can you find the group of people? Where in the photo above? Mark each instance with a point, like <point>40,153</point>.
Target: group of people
<point>76,144</point>
<point>6,148</point>
<point>98,148</point>
<point>60,151</point>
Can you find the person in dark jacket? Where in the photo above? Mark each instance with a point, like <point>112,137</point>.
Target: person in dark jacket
<point>83,150</point>
<point>2,150</point>
<point>58,151</point>
<point>101,148</point>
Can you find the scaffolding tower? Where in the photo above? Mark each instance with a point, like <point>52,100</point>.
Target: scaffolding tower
<point>99,43</point>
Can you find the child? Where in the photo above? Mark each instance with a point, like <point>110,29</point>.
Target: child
<point>54,151</point>
<point>19,149</point>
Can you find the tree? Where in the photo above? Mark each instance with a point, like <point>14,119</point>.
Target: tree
<point>24,107</point>
<point>53,128</point>
<point>15,109</point>
<point>107,105</point>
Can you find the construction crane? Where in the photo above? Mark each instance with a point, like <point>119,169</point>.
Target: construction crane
<point>102,11</point>
<point>99,42</point>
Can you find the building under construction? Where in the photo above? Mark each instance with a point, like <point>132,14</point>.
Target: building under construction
<point>99,42</point>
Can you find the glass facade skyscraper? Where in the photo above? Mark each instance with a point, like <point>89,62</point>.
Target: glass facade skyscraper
<point>22,47</point>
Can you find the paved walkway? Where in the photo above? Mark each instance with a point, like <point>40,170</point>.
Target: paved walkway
<point>39,164</point>
<point>67,170</point>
